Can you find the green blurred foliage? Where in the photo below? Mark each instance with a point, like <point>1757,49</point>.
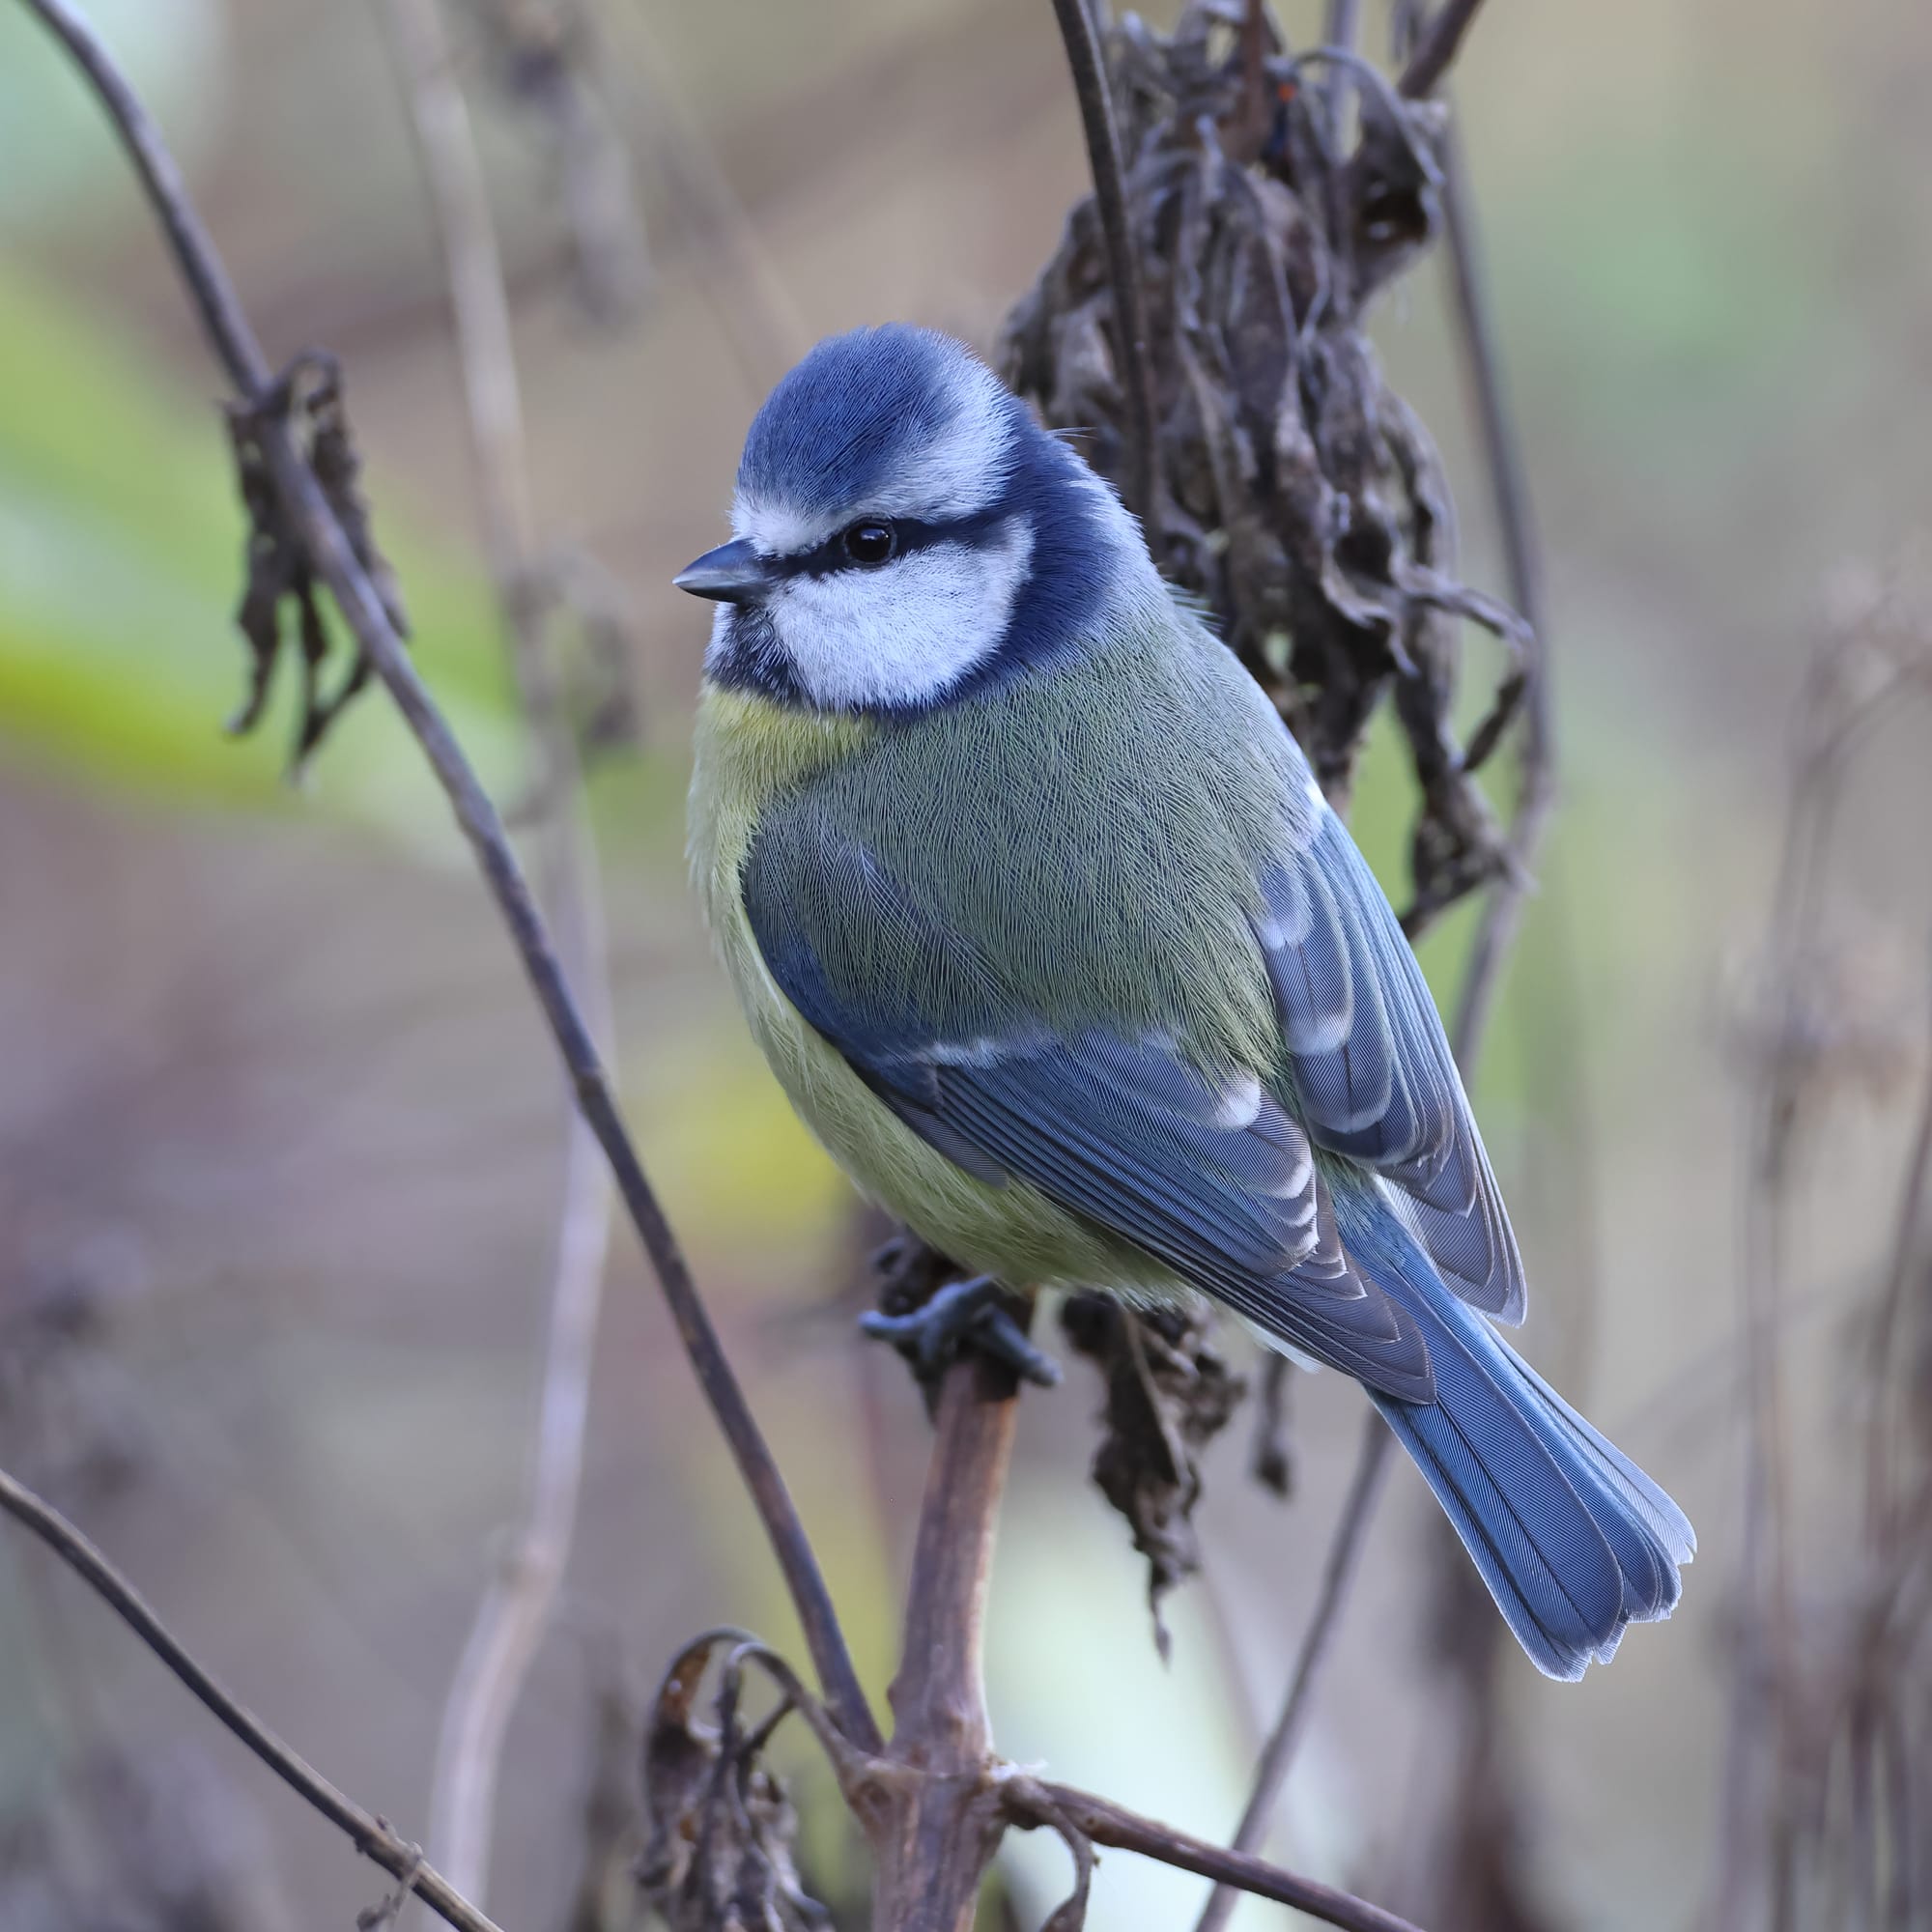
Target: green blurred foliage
<point>121,544</point>
<point>55,161</point>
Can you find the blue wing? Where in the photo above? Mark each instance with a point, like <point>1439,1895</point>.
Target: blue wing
<point>1373,1077</point>
<point>1211,1176</point>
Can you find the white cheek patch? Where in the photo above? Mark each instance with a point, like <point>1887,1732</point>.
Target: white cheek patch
<point>906,632</point>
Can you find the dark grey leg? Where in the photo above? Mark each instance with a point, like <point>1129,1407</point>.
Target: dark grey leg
<point>963,1315</point>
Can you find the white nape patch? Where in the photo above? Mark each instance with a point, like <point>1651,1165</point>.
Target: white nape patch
<point>956,473</point>
<point>1238,1104</point>
<point>904,633</point>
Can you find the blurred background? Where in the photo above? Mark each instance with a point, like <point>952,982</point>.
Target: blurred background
<point>281,1138</point>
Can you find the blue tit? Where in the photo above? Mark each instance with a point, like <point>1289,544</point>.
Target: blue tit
<point>1046,929</point>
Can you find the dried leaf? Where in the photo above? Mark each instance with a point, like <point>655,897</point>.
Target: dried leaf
<point>1168,1394</point>
<point>279,572</point>
<point>719,1857</point>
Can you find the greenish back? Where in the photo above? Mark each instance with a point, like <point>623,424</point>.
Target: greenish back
<point>1088,842</point>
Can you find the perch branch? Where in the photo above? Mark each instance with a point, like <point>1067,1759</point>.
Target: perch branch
<point>1106,1823</point>
<point>1435,48</point>
<point>517,1605</point>
<point>369,1834</point>
<point>1342,23</point>
<point>361,608</point>
<point>937,1832</point>
<point>1088,62</point>
<point>938,1698</point>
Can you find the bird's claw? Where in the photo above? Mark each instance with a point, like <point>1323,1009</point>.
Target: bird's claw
<point>963,1315</point>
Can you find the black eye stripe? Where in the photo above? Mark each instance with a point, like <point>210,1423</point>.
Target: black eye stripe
<point>978,531</point>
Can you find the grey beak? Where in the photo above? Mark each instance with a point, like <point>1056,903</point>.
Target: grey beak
<point>733,573</point>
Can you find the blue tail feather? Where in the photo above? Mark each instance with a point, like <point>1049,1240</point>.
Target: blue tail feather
<point>1575,1542</point>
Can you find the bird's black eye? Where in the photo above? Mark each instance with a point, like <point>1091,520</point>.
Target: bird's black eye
<point>870,543</point>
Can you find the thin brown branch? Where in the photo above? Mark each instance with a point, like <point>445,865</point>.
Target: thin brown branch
<point>939,1697</point>
<point>1338,1574</point>
<point>1106,1823</point>
<point>516,1605</point>
<point>466,232</point>
<point>362,610</point>
<point>1343,20</point>
<point>369,1834</point>
<point>1435,48</point>
<point>1915,1205</point>
<point>1097,120</point>
<point>1756,1821</point>
<point>1854,687</point>
<point>1509,496</point>
<point>937,1833</point>
<point>730,261</point>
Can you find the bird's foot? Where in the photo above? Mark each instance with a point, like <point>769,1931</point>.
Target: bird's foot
<point>976,1313</point>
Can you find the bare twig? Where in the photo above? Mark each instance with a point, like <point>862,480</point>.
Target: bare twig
<point>1338,1572</point>
<point>938,1698</point>
<point>1756,1828</point>
<point>931,1802</point>
<point>362,608</point>
<point>369,1834</point>
<point>937,1833</point>
<point>516,1605</point>
<point>1915,1205</point>
<point>1435,48</point>
<point>1776,1760</point>
<point>473,268</point>
<point>1106,1823</point>
<point>1509,492</point>
<point>549,66</point>
<point>373,1917</point>
<point>1088,62</point>
<point>731,261</point>
<point>1343,22</point>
